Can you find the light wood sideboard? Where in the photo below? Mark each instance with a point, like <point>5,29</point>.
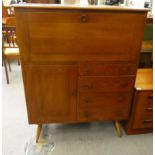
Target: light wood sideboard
<point>79,62</point>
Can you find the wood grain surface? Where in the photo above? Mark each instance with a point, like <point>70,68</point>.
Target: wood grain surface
<point>64,48</point>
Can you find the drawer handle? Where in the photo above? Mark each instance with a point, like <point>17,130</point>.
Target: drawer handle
<point>149,109</point>
<point>148,121</point>
<point>124,84</point>
<point>150,97</point>
<point>84,18</point>
<point>74,93</point>
<point>87,100</point>
<point>125,70</point>
<point>87,86</point>
<point>87,114</point>
<point>120,99</point>
<point>89,71</point>
<point>118,114</point>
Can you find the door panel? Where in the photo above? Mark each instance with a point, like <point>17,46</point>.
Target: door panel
<point>113,35</point>
<point>51,93</point>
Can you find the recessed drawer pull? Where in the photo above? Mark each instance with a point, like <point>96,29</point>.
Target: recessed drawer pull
<point>87,86</point>
<point>87,100</point>
<point>87,114</point>
<point>89,71</point>
<point>125,84</point>
<point>149,109</point>
<point>150,97</point>
<point>120,99</point>
<point>125,70</point>
<point>148,121</point>
<point>74,93</point>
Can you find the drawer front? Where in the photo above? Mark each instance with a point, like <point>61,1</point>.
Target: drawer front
<point>147,117</point>
<point>148,100</point>
<point>104,106</point>
<point>105,84</point>
<point>80,35</point>
<point>144,110</point>
<point>106,69</point>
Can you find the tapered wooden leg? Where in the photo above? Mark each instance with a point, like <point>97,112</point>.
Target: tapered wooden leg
<point>38,132</point>
<point>6,71</point>
<point>118,128</point>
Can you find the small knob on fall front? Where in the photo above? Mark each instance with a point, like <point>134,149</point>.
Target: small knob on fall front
<point>84,18</point>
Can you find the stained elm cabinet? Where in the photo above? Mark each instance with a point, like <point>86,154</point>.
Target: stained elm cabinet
<point>79,63</point>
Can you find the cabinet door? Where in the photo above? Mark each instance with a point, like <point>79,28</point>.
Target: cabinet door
<point>115,36</point>
<point>50,93</point>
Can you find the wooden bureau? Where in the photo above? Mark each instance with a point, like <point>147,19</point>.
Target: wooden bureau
<point>141,118</point>
<point>79,62</point>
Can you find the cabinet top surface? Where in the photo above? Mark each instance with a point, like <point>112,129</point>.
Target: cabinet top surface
<point>144,79</point>
<point>79,7</point>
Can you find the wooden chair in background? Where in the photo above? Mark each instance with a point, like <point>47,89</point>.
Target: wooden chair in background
<point>8,11</point>
<point>4,63</point>
<point>10,48</point>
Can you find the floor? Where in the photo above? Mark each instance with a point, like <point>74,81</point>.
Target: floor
<point>61,139</point>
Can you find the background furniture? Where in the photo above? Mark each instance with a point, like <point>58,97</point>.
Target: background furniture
<point>141,118</point>
<point>4,62</point>
<point>42,1</point>
<point>146,55</point>
<point>10,48</point>
<point>79,63</point>
<point>7,12</point>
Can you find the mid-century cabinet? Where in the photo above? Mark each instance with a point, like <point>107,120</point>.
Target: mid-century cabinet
<point>79,63</point>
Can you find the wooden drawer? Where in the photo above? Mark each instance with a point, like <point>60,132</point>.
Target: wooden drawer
<point>146,121</point>
<point>104,106</point>
<point>106,69</point>
<point>144,110</point>
<point>149,100</point>
<point>148,117</point>
<point>105,83</point>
